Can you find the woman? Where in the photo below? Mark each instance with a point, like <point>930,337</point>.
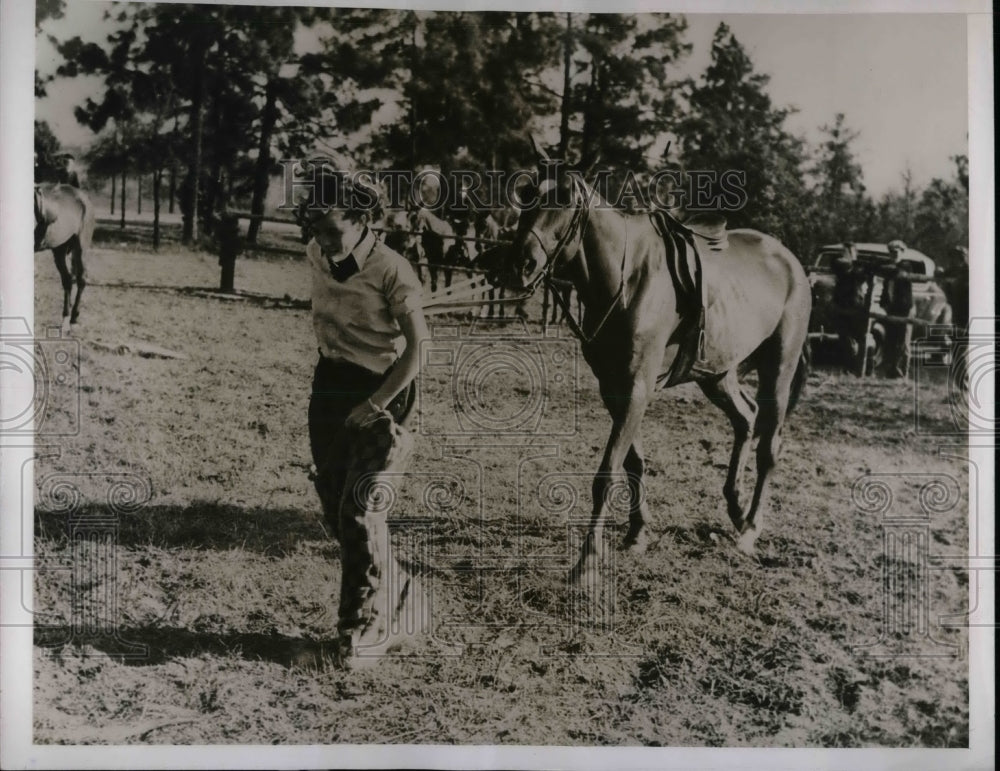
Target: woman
<point>368,320</point>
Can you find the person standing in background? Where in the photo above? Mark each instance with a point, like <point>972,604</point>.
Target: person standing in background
<point>897,300</point>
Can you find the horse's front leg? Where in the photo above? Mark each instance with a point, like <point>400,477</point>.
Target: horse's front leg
<point>626,414</point>
<point>636,540</point>
<point>59,253</point>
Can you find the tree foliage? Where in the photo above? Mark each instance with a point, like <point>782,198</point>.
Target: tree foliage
<point>218,94</point>
<point>731,125</point>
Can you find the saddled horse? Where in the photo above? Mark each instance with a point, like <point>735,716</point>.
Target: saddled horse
<point>64,223</point>
<point>637,329</point>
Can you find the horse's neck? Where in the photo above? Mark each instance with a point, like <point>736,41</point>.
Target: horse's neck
<point>597,269</point>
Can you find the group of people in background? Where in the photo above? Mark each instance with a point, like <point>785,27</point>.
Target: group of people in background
<point>853,296</point>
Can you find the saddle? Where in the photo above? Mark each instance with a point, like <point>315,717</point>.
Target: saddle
<point>678,231</point>
<point>709,226</point>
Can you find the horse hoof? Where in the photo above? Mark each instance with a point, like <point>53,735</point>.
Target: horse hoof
<point>746,541</point>
<point>637,543</point>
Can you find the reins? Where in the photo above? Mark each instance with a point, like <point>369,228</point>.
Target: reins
<point>580,219</point>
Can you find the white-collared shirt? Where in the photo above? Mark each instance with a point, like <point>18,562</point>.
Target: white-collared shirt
<point>356,320</point>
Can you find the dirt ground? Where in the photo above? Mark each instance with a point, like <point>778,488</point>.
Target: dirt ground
<point>207,569</point>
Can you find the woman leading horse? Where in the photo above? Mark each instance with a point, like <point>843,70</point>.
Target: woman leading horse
<point>638,325</point>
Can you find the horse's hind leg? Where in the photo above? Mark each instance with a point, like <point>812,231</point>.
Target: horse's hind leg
<point>79,276</point>
<point>772,396</point>
<point>59,253</point>
<point>727,395</point>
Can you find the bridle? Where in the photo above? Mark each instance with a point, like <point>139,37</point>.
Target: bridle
<point>578,222</point>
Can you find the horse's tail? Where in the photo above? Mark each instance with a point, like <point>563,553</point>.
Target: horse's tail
<point>799,378</point>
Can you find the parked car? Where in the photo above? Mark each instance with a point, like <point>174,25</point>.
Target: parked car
<point>930,303</point>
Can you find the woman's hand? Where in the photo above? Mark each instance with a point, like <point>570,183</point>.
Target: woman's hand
<point>362,414</point>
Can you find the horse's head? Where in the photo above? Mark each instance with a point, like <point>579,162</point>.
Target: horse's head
<point>550,227</point>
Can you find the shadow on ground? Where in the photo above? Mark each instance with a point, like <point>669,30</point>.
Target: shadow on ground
<point>200,525</point>
<point>156,644</point>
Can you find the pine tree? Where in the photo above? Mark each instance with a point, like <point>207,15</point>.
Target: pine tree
<point>732,126</point>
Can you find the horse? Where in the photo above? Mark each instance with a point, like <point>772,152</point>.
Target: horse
<point>64,223</point>
<point>436,239</point>
<point>395,228</point>
<point>492,227</point>
<point>637,330</point>
<point>488,233</point>
<point>457,255</point>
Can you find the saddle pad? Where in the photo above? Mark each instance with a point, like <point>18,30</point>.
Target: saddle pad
<point>684,264</point>
<point>708,226</point>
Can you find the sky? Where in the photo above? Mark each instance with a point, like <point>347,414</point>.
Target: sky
<point>900,79</point>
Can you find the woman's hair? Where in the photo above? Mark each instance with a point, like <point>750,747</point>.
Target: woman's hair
<point>341,190</point>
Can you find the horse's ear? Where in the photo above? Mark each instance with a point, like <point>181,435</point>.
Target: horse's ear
<point>540,153</point>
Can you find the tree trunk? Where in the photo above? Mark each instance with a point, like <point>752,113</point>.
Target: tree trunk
<point>122,206</point>
<point>190,233</point>
<point>157,175</point>
<point>138,197</point>
<point>268,119</point>
<point>172,186</point>
<point>227,284</point>
<point>567,86</point>
<point>413,106</point>
<point>214,183</point>
<point>591,114</point>
<point>114,191</point>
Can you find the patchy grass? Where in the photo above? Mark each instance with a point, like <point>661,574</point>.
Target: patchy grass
<point>225,576</point>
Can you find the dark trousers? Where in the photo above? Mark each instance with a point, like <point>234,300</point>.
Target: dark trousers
<point>896,361</point>
<point>338,387</point>
<point>358,526</point>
